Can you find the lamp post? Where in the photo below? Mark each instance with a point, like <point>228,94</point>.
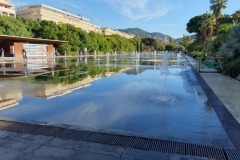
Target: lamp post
<point>68,28</point>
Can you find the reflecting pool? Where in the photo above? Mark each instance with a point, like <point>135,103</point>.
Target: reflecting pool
<point>141,100</point>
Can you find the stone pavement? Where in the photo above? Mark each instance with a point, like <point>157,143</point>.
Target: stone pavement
<point>19,146</point>
<point>227,89</point>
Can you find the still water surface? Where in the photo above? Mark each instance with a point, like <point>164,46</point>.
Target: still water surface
<point>145,103</point>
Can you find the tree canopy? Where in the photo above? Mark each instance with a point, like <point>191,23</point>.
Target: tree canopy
<point>76,37</point>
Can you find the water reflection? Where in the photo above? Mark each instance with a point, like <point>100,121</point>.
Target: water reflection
<point>9,96</point>
<point>82,94</point>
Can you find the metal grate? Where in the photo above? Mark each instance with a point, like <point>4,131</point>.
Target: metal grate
<point>205,151</point>
<point>103,138</point>
<point>75,134</point>
<point>232,154</point>
<point>164,146</point>
<point>142,143</point>
<point>126,141</point>
<point>123,140</point>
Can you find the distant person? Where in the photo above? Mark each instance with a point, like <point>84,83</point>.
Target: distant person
<point>78,53</point>
<point>24,53</point>
<point>56,53</point>
<point>2,52</point>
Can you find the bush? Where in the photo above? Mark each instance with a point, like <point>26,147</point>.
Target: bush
<point>238,77</point>
<point>196,54</point>
<point>232,68</point>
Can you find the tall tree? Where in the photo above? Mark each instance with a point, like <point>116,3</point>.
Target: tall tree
<point>207,27</point>
<point>185,41</point>
<point>217,6</point>
<point>194,24</point>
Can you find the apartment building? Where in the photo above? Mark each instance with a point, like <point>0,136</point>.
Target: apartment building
<point>43,12</point>
<point>7,8</point>
<point>109,31</point>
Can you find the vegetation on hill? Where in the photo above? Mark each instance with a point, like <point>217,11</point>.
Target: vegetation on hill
<point>141,33</point>
<point>217,35</point>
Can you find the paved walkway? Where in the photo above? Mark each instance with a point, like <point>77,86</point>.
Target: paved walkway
<point>18,146</point>
<point>23,146</point>
<point>227,89</point>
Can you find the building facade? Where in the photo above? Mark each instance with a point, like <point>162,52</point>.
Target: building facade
<point>35,47</point>
<point>7,8</point>
<point>109,31</point>
<point>43,12</point>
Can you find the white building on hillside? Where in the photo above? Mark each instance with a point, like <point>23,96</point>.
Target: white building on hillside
<point>43,12</point>
<point>7,8</point>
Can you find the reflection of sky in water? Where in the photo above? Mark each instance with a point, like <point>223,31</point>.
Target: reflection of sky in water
<point>128,103</point>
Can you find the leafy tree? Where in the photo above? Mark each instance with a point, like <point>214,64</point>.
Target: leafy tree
<point>151,44</point>
<point>196,46</point>
<point>76,37</point>
<point>170,47</point>
<point>14,27</point>
<point>194,24</point>
<point>32,26</point>
<point>225,19</point>
<point>185,41</point>
<point>48,30</point>
<point>236,17</point>
<point>231,49</point>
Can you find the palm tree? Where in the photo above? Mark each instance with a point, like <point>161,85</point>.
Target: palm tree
<point>217,6</point>
<point>207,27</point>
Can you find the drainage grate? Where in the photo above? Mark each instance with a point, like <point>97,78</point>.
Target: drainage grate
<point>103,138</point>
<point>134,142</point>
<point>124,141</point>
<point>165,146</point>
<point>205,151</point>
<point>142,143</point>
<point>75,134</point>
<point>232,154</point>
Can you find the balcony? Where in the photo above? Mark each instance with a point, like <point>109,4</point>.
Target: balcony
<point>7,11</point>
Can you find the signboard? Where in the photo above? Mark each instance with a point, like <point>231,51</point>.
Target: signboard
<point>34,50</point>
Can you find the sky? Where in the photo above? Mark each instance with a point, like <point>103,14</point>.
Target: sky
<point>165,16</point>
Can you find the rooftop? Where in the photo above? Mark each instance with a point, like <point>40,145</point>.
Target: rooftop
<point>28,39</point>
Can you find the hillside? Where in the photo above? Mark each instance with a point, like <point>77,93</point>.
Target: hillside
<point>192,37</point>
<point>139,32</point>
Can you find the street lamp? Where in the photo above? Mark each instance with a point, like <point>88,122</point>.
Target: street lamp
<point>68,28</point>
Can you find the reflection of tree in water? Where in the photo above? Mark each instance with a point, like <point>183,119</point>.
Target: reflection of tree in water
<point>74,73</point>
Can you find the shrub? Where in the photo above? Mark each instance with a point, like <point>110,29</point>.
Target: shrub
<point>232,68</point>
<point>238,77</point>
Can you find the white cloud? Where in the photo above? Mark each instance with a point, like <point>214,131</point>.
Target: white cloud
<point>140,9</point>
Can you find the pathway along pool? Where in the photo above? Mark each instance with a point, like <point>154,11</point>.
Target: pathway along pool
<point>143,103</point>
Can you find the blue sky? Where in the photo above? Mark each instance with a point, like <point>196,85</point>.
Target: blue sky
<point>166,16</point>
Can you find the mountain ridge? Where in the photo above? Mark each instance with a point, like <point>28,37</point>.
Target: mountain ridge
<point>142,33</point>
